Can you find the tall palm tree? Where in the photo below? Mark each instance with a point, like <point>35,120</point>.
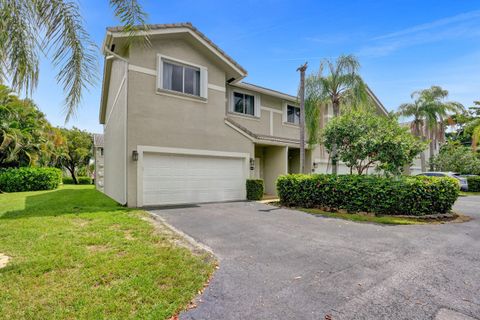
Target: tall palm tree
<point>429,110</point>
<point>437,109</point>
<point>416,110</point>
<point>340,85</point>
<point>54,28</point>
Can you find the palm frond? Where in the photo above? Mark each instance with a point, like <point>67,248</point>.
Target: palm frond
<point>132,17</point>
<point>74,54</point>
<point>18,45</point>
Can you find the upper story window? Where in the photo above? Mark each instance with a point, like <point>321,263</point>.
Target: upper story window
<point>181,78</point>
<point>244,103</point>
<point>293,114</point>
<point>175,75</point>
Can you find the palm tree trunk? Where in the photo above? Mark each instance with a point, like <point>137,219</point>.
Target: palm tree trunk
<point>336,113</point>
<point>432,147</point>
<point>302,117</point>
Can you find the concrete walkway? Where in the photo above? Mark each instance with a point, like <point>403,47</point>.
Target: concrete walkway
<point>284,264</point>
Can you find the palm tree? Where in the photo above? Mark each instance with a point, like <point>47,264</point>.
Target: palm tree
<point>429,110</point>
<point>63,39</point>
<point>341,85</point>
<point>436,111</point>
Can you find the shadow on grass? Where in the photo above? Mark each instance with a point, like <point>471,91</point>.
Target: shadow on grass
<point>63,202</point>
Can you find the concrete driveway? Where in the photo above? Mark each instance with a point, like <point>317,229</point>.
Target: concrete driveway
<point>285,264</point>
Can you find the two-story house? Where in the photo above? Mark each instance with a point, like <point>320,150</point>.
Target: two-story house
<point>180,125</point>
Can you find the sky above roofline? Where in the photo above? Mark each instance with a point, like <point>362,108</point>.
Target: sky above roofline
<point>402,45</point>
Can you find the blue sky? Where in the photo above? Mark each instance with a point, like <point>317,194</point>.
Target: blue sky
<point>402,45</point>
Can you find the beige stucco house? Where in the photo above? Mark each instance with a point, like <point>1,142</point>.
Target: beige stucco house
<point>181,125</point>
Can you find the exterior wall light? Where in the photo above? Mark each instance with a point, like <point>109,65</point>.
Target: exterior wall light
<point>252,164</point>
<point>315,165</point>
<point>135,155</point>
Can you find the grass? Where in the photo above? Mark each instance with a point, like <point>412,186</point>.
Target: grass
<point>391,220</point>
<point>463,193</point>
<point>76,254</point>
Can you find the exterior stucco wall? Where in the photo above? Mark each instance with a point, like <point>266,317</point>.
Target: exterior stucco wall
<point>271,119</point>
<point>99,169</point>
<point>114,131</point>
<point>275,164</point>
<point>159,120</point>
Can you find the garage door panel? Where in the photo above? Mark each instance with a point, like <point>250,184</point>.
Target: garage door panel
<point>176,179</point>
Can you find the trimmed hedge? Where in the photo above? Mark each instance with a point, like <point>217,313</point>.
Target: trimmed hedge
<point>473,184</point>
<point>255,189</point>
<point>29,179</point>
<point>84,180</point>
<point>365,193</point>
<point>80,180</point>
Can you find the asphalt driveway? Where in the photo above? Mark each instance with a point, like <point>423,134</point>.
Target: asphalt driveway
<point>285,264</point>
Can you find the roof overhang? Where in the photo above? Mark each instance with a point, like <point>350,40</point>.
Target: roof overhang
<point>266,91</point>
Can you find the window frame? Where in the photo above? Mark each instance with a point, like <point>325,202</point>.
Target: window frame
<point>295,107</point>
<point>203,78</point>
<point>256,103</point>
<point>285,113</point>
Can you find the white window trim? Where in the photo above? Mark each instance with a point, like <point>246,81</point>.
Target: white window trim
<point>256,102</point>
<point>203,77</point>
<point>285,114</point>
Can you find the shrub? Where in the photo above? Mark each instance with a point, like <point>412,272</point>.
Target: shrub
<point>29,179</point>
<point>80,180</point>
<point>362,193</point>
<point>255,189</point>
<point>473,184</point>
<point>84,180</point>
<point>67,180</point>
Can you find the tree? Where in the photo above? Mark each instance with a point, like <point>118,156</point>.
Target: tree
<point>78,150</point>
<point>64,35</point>
<point>473,126</point>
<point>365,139</point>
<point>302,70</point>
<point>429,111</point>
<point>340,86</point>
<point>22,130</point>
<point>455,157</point>
<point>437,110</point>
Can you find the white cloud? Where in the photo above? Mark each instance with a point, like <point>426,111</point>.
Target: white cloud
<point>465,25</point>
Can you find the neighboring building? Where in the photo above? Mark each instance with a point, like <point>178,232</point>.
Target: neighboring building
<point>99,160</point>
<point>180,126</point>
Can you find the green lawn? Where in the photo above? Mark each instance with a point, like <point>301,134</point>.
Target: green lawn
<point>364,218</point>
<point>76,254</point>
<point>463,193</point>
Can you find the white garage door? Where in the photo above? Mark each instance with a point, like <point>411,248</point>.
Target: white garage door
<point>179,179</point>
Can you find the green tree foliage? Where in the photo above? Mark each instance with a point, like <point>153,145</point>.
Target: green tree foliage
<point>456,158</point>
<point>364,140</point>
<point>338,84</point>
<point>24,132</point>
<point>467,127</point>
<point>430,110</point>
<point>78,150</point>
<point>31,28</point>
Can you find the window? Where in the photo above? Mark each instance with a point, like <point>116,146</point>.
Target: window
<point>293,114</point>
<point>181,78</point>
<point>243,103</point>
